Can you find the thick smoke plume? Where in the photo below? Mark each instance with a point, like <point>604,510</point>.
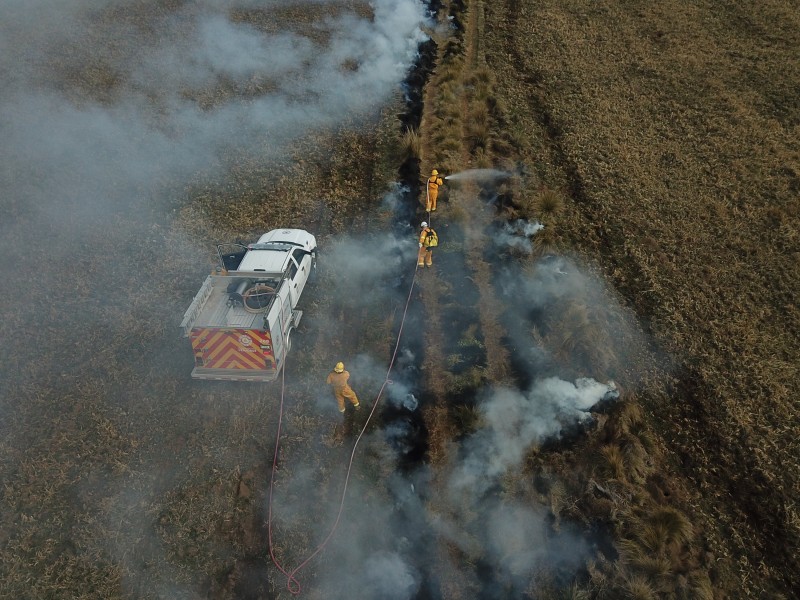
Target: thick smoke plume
<point>515,421</point>
<point>163,108</point>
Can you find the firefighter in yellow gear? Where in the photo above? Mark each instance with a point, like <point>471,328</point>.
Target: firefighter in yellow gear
<point>338,379</point>
<point>432,192</point>
<point>428,240</point>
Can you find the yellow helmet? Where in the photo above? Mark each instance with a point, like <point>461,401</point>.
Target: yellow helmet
<point>434,172</point>
<point>339,368</point>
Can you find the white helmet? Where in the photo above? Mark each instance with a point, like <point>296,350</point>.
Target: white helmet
<point>423,224</point>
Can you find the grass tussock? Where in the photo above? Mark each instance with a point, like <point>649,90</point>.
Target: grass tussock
<point>638,587</point>
<point>699,587</point>
<point>548,203</point>
<point>545,242</point>
<point>467,419</point>
<point>654,568</point>
<point>614,461</point>
<point>676,526</point>
<point>477,131</point>
<point>577,336</point>
<point>410,143</point>
<point>482,76</point>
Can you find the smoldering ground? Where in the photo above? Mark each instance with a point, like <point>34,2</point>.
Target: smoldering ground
<point>512,423</point>
<point>580,326</point>
<point>515,421</point>
<point>518,235</point>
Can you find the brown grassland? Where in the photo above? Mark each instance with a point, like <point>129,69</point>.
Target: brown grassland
<point>658,144</point>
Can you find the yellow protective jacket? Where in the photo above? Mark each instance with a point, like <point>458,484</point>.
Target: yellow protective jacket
<point>341,389</point>
<point>425,237</point>
<point>434,181</point>
<point>338,380</point>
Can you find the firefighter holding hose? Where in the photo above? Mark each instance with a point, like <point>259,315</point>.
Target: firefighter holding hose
<point>428,240</point>
<point>432,191</point>
<point>338,379</point>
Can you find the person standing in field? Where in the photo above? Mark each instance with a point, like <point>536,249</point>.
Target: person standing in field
<point>428,240</point>
<point>338,379</point>
<point>432,192</point>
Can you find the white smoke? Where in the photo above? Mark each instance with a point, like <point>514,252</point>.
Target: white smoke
<point>520,541</point>
<point>361,261</point>
<point>517,536</point>
<point>386,575</point>
<point>151,125</point>
<point>515,421</point>
<point>517,235</point>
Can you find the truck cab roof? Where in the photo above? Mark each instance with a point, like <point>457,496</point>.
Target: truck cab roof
<point>272,251</point>
<point>294,237</point>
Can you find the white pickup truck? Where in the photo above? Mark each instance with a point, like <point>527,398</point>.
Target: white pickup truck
<point>240,322</point>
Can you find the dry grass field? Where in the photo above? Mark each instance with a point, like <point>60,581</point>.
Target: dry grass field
<point>656,143</point>
<point>673,128</point>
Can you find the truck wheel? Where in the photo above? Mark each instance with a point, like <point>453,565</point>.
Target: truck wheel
<point>289,341</point>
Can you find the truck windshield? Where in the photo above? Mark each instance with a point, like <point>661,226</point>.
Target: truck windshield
<point>270,246</point>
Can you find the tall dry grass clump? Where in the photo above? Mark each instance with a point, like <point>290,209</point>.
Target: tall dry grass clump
<point>638,587</point>
<point>411,143</point>
<point>577,336</point>
<point>635,455</point>
<point>629,416</point>
<point>662,532</point>
<point>466,418</point>
<point>482,158</point>
<point>676,526</point>
<point>574,592</point>
<point>548,203</point>
<point>655,568</point>
<point>477,135</point>
<point>482,76</point>
<point>614,463</point>
<point>545,242</point>
<point>700,587</point>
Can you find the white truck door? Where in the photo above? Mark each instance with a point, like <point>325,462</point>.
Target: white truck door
<point>281,319</point>
<point>276,333</point>
<point>304,264</point>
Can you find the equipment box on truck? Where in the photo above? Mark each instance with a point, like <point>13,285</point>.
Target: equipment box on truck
<point>240,322</point>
